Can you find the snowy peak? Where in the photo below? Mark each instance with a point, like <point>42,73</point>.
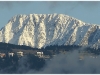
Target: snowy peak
<point>40,30</point>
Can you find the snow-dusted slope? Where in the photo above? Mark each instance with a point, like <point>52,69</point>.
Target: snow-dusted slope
<point>40,30</point>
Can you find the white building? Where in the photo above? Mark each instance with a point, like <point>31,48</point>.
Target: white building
<point>2,55</point>
<point>40,54</point>
<point>10,54</point>
<point>20,54</point>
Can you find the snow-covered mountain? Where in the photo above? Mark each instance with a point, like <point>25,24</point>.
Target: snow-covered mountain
<point>41,30</point>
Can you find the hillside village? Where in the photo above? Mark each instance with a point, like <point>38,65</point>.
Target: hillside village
<point>7,49</point>
<point>21,54</point>
<point>41,54</point>
<point>14,56</point>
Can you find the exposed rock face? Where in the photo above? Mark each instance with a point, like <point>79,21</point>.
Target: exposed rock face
<point>40,30</point>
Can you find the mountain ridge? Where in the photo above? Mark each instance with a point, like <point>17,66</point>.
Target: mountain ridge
<point>41,30</point>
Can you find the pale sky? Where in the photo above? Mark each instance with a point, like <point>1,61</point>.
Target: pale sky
<point>86,11</point>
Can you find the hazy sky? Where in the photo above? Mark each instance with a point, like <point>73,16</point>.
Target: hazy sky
<point>87,11</point>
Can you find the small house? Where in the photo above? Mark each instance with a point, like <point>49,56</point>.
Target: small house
<point>2,55</point>
<point>40,54</point>
<point>10,54</point>
<point>20,54</point>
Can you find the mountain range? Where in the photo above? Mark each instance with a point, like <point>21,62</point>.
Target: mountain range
<point>41,30</point>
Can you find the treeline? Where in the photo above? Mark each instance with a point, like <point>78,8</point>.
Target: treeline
<point>61,47</point>
<point>56,49</point>
<point>8,46</point>
<point>92,50</point>
<point>4,47</point>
